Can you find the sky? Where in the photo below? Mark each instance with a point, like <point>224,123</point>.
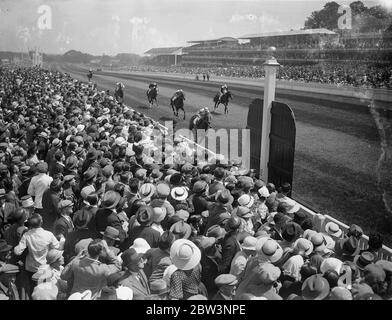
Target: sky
<point>135,26</point>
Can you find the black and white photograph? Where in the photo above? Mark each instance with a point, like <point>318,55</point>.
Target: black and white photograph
<point>210,150</point>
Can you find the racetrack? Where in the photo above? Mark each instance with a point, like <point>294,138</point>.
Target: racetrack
<point>337,143</point>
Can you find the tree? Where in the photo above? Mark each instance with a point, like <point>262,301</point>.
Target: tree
<point>324,18</point>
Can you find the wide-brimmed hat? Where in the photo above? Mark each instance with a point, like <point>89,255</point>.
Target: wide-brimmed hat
<point>246,200</point>
<point>90,173</point>
<point>183,214</point>
<point>331,264</point>
<point>303,245</point>
<point>268,273</point>
<point>263,192</point>
<point>319,242</point>
<point>156,174</point>
<point>363,259</point>
<point>146,191</point>
<point>140,245</point>
<point>145,215</point>
<point>292,205</point>
<point>4,246</point>
<point>111,233</point>
<point>184,254</point>
<point>110,199</point>
<point>181,230</point>
<point>291,231</point>
<point>224,196</point>
<point>269,249</point>
<point>249,243</point>
<point>316,287</point>
<point>333,229</point>
<point>179,193</point>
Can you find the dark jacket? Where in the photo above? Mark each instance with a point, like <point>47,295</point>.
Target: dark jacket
<point>105,218</point>
<point>50,211</point>
<point>230,246</point>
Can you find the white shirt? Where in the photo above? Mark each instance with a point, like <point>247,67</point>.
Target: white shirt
<point>39,242</point>
<point>38,185</point>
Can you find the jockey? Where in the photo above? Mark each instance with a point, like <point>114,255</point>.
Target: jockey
<point>203,112</point>
<point>223,90</point>
<point>177,94</point>
<point>152,85</point>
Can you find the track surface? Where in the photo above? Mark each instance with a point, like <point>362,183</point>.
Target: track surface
<point>337,143</point>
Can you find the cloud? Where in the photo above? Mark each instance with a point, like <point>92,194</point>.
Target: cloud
<point>386,3</point>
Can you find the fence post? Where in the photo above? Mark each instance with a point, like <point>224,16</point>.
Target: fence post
<point>271,67</point>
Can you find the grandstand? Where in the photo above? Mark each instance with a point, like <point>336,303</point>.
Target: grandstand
<point>165,56</point>
<point>309,46</point>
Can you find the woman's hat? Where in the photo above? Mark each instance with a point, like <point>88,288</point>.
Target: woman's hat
<point>179,193</point>
<point>145,215</point>
<point>269,250</point>
<point>181,230</point>
<point>315,287</point>
<point>333,229</point>
<point>303,245</point>
<point>263,192</point>
<point>199,186</point>
<point>110,199</point>
<point>184,254</point>
<point>249,243</point>
<point>319,243</point>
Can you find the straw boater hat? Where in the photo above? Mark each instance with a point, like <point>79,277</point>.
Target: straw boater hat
<point>179,193</point>
<point>184,254</point>
<point>269,250</point>
<point>333,229</point>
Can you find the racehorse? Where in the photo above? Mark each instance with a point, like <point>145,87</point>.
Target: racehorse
<point>224,100</point>
<point>152,96</point>
<point>177,101</point>
<point>119,93</point>
<point>199,122</point>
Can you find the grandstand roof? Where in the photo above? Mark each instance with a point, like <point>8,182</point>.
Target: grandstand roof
<point>161,51</point>
<point>231,39</point>
<point>288,33</point>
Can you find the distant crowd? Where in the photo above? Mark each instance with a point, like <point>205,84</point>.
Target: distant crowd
<point>86,214</point>
<point>339,74</point>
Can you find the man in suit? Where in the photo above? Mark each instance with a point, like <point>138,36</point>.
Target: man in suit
<point>107,215</point>
<point>7,209</point>
<point>134,277</point>
<point>223,203</point>
<point>86,272</point>
<point>50,204</point>
<point>64,225</point>
<point>230,244</point>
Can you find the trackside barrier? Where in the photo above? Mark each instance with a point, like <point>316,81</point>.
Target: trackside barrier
<point>320,220</point>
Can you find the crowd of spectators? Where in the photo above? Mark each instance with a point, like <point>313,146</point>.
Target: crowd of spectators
<point>86,214</point>
<point>352,74</point>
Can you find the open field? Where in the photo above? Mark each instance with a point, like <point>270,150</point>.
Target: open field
<point>337,143</point>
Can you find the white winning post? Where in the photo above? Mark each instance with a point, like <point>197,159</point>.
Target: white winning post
<point>271,67</point>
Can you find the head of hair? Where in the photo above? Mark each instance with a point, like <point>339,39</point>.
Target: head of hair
<point>332,278</point>
<point>95,248</point>
<point>133,185</point>
<point>35,221</point>
<point>375,241</point>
